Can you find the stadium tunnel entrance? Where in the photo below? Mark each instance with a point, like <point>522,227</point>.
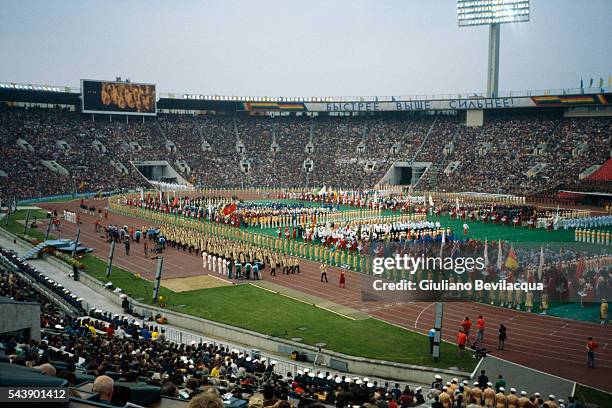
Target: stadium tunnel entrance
<point>404,173</point>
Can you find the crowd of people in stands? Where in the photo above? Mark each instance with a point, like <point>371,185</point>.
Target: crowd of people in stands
<point>498,156</point>
<point>345,151</point>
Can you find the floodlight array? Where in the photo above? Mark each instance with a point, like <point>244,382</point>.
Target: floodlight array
<point>485,12</point>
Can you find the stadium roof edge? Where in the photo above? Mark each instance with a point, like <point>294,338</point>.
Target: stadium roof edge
<point>6,85</point>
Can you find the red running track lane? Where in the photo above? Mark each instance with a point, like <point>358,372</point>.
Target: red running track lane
<point>553,345</point>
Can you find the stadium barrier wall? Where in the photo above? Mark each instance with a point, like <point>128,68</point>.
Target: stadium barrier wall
<point>19,316</point>
<point>61,197</point>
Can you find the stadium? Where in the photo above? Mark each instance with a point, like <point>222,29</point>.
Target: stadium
<point>162,248</point>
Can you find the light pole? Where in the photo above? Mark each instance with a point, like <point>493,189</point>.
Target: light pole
<point>485,12</point>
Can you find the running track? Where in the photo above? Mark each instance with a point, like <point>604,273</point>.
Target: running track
<point>549,344</point>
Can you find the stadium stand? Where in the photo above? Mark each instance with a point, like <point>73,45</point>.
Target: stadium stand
<point>519,153</point>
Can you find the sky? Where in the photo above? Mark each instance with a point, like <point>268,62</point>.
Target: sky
<point>299,48</point>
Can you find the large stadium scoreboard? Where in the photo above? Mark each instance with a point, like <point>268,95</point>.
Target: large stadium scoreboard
<point>125,98</point>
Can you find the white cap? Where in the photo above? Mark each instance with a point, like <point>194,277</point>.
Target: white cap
<point>445,388</point>
<point>502,389</point>
<point>321,375</point>
<point>366,379</point>
<point>272,362</point>
<point>248,359</point>
<point>338,380</point>
<point>465,382</point>
<point>551,396</point>
<point>358,382</point>
<point>490,384</point>
<point>537,394</point>
<point>448,383</point>
<point>523,393</point>
<point>512,390</point>
<point>417,389</point>
<point>329,377</point>
<point>476,383</point>
<point>370,385</point>
<point>438,377</point>
<point>455,380</point>
<point>311,374</point>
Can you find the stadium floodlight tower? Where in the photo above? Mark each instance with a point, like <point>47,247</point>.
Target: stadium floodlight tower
<point>492,13</point>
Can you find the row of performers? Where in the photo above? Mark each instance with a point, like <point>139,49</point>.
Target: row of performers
<point>371,201</point>
<point>276,251</point>
<point>220,248</point>
<point>351,235</point>
<point>263,218</point>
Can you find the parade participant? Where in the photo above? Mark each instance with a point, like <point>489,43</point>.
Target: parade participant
<point>501,335</point>
<point>296,265</point>
<point>248,267</point>
<point>544,305</point>
<point>500,398</point>
<point>476,394</point>
<point>445,398</point>
<point>146,249</point>
<point>238,269</point>
<point>480,324</point>
<point>256,271</point>
<point>489,395</point>
<point>466,324</point>
<point>529,301</point>
<point>523,400</point>
<point>272,267</point>
<point>221,269</point>
<point>342,281</point>
<point>461,342</point>
<point>323,272</point>
<point>465,229</point>
<point>591,346</point>
<point>229,266</point>
<point>512,399</point>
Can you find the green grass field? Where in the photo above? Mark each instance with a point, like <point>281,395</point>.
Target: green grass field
<point>16,227</point>
<point>265,312</point>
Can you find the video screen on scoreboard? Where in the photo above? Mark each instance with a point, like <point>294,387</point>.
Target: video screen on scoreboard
<point>118,97</point>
